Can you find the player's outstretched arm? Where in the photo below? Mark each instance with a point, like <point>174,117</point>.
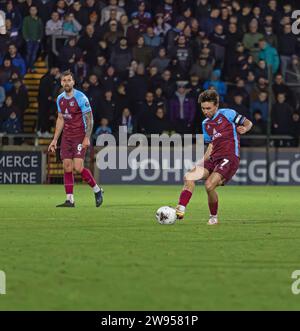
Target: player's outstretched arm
<point>58,130</point>
<point>247,125</point>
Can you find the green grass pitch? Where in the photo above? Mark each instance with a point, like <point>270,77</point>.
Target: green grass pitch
<point>118,257</point>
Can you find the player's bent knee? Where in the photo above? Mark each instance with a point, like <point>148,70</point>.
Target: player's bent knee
<point>209,186</point>
<point>68,167</point>
<point>78,168</point>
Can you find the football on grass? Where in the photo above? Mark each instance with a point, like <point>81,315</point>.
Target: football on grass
<point>166,215</point>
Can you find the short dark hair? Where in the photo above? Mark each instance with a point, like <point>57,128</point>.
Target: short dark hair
<point>209,96</point>
<point>68,73</point>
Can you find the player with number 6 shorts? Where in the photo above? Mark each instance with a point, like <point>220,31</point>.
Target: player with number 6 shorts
<point>221,129</point>
<point>75,122</point>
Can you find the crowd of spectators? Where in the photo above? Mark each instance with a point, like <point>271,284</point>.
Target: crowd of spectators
<point>143,63</point>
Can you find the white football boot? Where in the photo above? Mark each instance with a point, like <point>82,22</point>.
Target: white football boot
<point>180,211</point>
<point>213,220</point>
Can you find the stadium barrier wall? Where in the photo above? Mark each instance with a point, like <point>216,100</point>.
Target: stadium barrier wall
<point>284,170</point>
<point>27,165</point>
<point>22,166</point>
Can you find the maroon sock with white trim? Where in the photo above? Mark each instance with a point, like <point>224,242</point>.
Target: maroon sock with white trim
<point>88,177</point>
<point>185,197</point>
<point>69,185</point>
<point>213,207</point>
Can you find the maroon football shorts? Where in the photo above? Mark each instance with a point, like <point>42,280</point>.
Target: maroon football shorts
<point>226,166</point>
<point>71,148</point>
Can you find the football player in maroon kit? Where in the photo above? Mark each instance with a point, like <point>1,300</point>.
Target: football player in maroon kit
<point>75,122</point>
<point>221,129</point>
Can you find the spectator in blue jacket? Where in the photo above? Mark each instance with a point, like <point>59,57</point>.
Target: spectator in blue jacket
<point>16,59</point>
<point>261,105</point>
<point>12,124</point>
<point>268,54</point>
<point>13,14</point>
<point>216,82</point>
<point>151,39</point>
<point>207,24</point>
<point>103,128</point>
<point>6,110</point>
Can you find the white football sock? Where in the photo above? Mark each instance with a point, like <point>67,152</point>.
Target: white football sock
<point>96,189</point>
<point>70,197</point>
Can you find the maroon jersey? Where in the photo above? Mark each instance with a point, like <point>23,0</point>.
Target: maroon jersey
<point>73,110</point>
<point>221,132</point>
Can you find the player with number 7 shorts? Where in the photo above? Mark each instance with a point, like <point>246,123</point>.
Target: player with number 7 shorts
<point>221,129</point>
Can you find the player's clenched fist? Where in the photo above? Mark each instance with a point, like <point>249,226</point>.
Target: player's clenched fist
<point>86,142</point>
<point>241,129</point>
<point>52,147</point>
